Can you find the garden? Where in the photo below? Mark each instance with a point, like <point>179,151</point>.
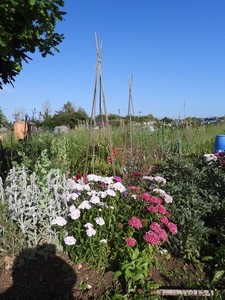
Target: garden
<point>131,215</point>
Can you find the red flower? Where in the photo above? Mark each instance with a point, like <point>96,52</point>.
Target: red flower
<point>136,174</point>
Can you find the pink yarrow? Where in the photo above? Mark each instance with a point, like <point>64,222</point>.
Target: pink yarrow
<point>172,227</point>
<point>145,196</point>
<point>151,237</point>
<point>131,242</point>
<point>135,222</point>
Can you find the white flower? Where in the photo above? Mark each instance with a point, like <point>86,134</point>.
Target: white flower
<point>70,240</point>
<point>118,186</point>
<point>107,180</point>
<point>168,199</point>
<point>90,231</point>
<point>92,193</point>
<point>110,192</point>
<point>103,194</point>
<point>93,177</point>
<point>72,196</point>
<point>160,192</point>
<point>100,221</point>
<point>72,185</point>
<point>151,178</point>
<point>84,205</point>
<point>89,225</point>
<point>160,180</point>
<point>59,221</point>
<point>74,212</point>
<point>103,241</point>
<point>94,199</point>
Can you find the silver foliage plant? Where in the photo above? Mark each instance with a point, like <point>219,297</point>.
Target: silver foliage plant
<point>33,206</point>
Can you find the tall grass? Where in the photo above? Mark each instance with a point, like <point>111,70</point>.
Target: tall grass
<point>138,148</point>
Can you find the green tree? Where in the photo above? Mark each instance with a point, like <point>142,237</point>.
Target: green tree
<point>27,26</point>
<point>68,115</point>
<point>3,119</point>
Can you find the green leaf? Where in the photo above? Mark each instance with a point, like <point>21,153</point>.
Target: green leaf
<point>207,258</point>
<point>128,273</point>
<point>117,274</point>
<point>32,2</point>
<point>218,275</point>
<point>135,254</point>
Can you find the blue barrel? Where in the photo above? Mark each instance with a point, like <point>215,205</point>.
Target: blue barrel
<point>219,142</point>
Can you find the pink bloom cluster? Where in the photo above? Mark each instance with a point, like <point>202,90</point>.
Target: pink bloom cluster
<point>171,226</point>
<point>156,234</point>
<point>159,208</point>
<point>134,188</point>
<point>131,242</point>
<point>135,222</point>
<point>149,198</point>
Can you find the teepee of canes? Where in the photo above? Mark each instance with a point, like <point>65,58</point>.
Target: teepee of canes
<point>102,113</point>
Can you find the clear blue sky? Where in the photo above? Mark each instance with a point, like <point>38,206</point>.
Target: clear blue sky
<point>175,50</point>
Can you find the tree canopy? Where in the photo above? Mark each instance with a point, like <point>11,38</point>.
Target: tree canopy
<point>27,26</point>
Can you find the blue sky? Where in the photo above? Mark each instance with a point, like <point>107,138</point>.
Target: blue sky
<point>175,50</point>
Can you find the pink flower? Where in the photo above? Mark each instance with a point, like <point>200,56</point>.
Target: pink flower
<point>164,220</point>
<point>151,237</point>
<point>135,222</point>
<point>172,227</point>
<point>145,196</point>
<point>155,200</point>
<point>155,227</point>
<point>134,188</point>
<point>163,235</point>
<point>161,209</point>
<point>152,208</point>
<point>167,214</point>
<point>131,242</point>
<point>118,179</point>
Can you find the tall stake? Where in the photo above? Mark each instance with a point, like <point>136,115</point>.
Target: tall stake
<point>130,112</point>
<point>98,78</point>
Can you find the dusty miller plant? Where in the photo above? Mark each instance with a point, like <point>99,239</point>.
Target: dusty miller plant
<point>34,200</point>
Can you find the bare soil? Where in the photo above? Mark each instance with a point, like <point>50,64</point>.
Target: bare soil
<point>54,277</point>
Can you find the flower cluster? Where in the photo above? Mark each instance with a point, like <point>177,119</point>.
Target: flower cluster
<point>89,198</point>
<point>155,225</point>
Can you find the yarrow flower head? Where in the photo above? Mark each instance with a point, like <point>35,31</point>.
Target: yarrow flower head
<point>130,241</point>
<point>172,227</point>
<point>84,205</point>
<point>70,240</point>
<point>160,180</point>
<point>59,221</point>
<point>100,221</point>
<point>151,237</point>
<point>135,222</point>
<point>74,212</point>
<point>95,199</point>
<point>90,231</point>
